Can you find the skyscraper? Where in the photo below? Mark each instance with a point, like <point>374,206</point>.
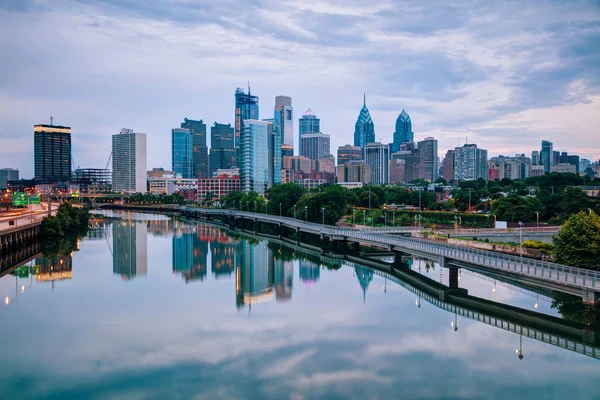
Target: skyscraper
<point>52,153</point>
<point>222,148</point>
<point>449,166</point>
<point>428,159</point>
<point>354,171</point>
<point>364,129</point>
<point>275,152</point>
<point>129,162</point>
<point>8,174</point>
<point>257,169</point>
<point>410,154</point>
<point>246,107</point>
<point>284,118</point>
<point>130,249</point>
<point>377,156</point>
<point>182,152</point>
<point>309,123</point>
<point>470,163</point>
<point>348,153</point>
<point>546,156</point>
<point>199,148</point>
<point>403,132</point>
<point>315,145</point>
<point>535,157</point>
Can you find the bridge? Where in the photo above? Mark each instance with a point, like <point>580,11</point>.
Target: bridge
<point>555,331</point>
<point>577,281</point>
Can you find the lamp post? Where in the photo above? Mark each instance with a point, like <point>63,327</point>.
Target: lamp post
<point>521,241</point>
<point>294,211</point>
<point>280,209</point>
<point>364,217</point>
<point>455,227</point>
<point>519,351</point>
<point>323,212</point>
<point>537,220</point>
<point>385,219</point>
<point>305,213</point>
<point>454,323</point>
<point>394,218</point>
<point>354,216</point>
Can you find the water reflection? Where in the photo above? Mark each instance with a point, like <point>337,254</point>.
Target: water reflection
<point>129,249</point>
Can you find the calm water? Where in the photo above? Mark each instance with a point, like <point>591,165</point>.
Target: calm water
<point>154,308</point>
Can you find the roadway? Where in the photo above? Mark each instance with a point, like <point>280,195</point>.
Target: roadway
<point>24,216</point>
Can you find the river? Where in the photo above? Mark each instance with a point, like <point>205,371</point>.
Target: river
<point>154,307</point>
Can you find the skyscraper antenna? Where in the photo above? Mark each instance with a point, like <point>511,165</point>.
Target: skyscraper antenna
<point>248,87</point>
<point>51,120</point>
<point>364,99</point>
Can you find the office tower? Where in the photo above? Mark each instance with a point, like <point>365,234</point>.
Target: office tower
<point>52,153</point>
<point>8,174</point>
<point>564,168</point>
<point>287,150</point>
<point>129,248</point>
<point>470,163</point>
<point>315,145</point>
<point>555,157</point>
<point>348,153</point>
<point>563,157</point>
<point>246,107</point>
<point>223,255</point>
<point>403,132</point>
<point>449,166</point>
<point>517,167</point>
<point>182,152</point>
<point>354,171</point>
<point>255,152</point>
<point>428,159</point>
<point>284,279</point>
<point>308,123</point>
<point>584,163</point>
<point>397,170</point>
<point>199,148</point>
<point>546,156</point>
<point>129,162</point>
<point>222,147</point>
<point>574,160</point>
<point>190,256</point>
<point>298,164</point>
<point>535,157</point>
<point>410,154</point>
<point>254,274</point>
<point>377,156</point>
<point>275,157</point>
<point>326,164</point>
<point>284,118</point>
<point>364,129</point>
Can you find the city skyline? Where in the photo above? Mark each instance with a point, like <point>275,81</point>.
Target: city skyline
<point>516,95</point>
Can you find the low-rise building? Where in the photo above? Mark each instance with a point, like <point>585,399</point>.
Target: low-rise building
<point>212,190</point>
<point>351,185</point>
<point>171,184</point>
<point>309,183</point>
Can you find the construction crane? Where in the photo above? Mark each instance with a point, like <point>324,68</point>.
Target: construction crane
<point>108,162</point>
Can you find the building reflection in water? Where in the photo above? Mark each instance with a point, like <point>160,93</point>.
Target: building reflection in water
<point>50,269</point>
<point>160,227</point>
<point>364,276</point>
<point>189,255</point>
<point>309,273</point>
<point>284,278</point>
<point>130,249</point>
<point>254,275</point>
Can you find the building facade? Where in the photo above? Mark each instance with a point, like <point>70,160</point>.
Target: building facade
<point>284,117</point>
<point>298,164</point>
<point>199,149</point>
<point>246,107</point>
<point>470,163</point>
<point>222,147</point>
<point>377,156</point>
<point>315,145</point>
<point>52,153</point>
<point>403,132</point>
<point>308,123</point>
<point>396,171</point>
<point>349,153</point>
<point>129,162</point>
<point>8,174</point>
<point>92,180</point>
<point>449,166</point>
<point>254,156</point>
<point>428,159</point>
<point>547,156</point>
<point>354,171</point>
<point>182,151</point>
<point>364,129</point>
<point>212,190</point>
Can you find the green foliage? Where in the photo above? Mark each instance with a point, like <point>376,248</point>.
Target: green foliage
<point>68,220</point>
<point>516,208</point>
<point>573,309</point>
<point>250,201</point>
<point>286,194</point>
<point>546,248</point>
<point>149,198</point>
<point>332,199</point>
<point>578,242</point>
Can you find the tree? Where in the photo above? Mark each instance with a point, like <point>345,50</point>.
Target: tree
<point>578,241</point>
<point>286,194</point>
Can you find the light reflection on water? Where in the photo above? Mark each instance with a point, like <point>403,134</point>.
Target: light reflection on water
<point>154,307</point>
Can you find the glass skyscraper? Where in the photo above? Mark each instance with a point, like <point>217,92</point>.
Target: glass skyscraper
<point>377,156</point>
<point>428,159</point>
<point>403,132</point>
<point>222,147</point>
<point>246,107</point>
<point>182,152</point>
<point>546,156</point>
<point>52,153</point>
<point>275,152</point>
<point>364,130</point>
<point>254,156</point>
<point>199,149</point>
<point>284,114</point>
<point>309,123</point>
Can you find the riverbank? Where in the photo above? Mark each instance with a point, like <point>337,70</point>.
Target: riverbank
<point>167,208</point>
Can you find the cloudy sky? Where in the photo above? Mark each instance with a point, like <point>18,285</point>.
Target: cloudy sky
<point>502,75</point>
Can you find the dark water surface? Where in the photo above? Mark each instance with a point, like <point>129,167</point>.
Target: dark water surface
<point>155,308</point>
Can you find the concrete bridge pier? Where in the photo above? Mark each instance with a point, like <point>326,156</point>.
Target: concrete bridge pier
<point>591,297</point>
<point>453,277</point>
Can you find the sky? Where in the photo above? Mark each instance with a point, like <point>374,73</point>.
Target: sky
<point>503,75</point>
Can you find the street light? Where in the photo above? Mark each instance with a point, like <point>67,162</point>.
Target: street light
<point>365,217</point>
<point>280,209</point>
<point>394,218</point>
<point>354,216</point>
<point>385,218</point>
<point>519,351</point>
<point>323,212</point>
<point>456,227</point>
<point>454,323</point>
<point>294,211</point>
<point>537,220</point>
<point>305,213</point>
<point>521,241</point>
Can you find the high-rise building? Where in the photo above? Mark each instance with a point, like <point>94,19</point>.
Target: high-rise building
<point>555,157</point>
<point>396,170</point>
<point>182,152</point>
<point>584,163</point>
<point>199,148</point>
<point>377,156</point>
<point>428,159</point>
<point>308,123</point>
<point>315,145</point>
<point>222,147</point>
<point>275,152</point>
<point>470,163</point>
<point>410,154</point>
<point>449,166</point>
<point>129,249</point>
<point>284,118</point>
<point>535,157</point>
<point>574,160</point>
<point>287,150</point>
<point>348,153</point>
<point>129,162</point>
<point>546,156</point>
<point>403,132</point>
<point>254,277</point>
<point>8,174</point>
<point>284,279</point>
<point>52,153</point>
<point>354,171</point>
<point>246,107</point>
<point>257,152</point>
<point>326,164</point>
<point>364,129</point>
<point>190,256</point>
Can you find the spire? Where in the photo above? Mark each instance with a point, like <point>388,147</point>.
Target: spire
<point>364,99</point>
<point>248,87</point>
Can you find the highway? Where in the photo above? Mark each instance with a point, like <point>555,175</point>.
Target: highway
<point>24,216</point>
